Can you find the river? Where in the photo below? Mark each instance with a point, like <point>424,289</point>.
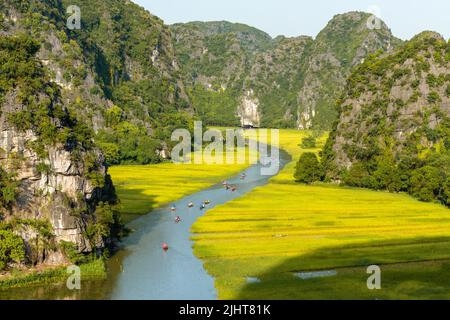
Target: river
<point>141,269</point>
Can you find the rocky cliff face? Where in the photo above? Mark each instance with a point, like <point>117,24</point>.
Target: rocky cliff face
<point>118,70</point>
<point>395,107</point>
<point>248,110</point>
<point>62,181</point>
<point>44,196</point>
<point>295,80</point>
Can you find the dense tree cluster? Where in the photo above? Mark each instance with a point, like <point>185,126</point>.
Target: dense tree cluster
<point>308,169</point>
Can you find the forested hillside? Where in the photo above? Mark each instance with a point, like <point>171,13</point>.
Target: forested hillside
<point>235,73</point>
<point>394,122</point>
<point>118,72</point>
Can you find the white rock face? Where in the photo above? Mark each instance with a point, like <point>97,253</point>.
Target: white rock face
<point>43,195</point>
<point>248,110</point>
<point>59,80</point>
<point>305,119</point>
<point>155,55</point>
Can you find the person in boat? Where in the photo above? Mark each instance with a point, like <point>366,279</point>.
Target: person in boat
<point>165,246</point>
<point>233,189</point>
<point>190,204</point>
<point>225,183</point>
<point>202,206</point>
<point>173,208</point>
<point>178,219</point>
<point>243,176</point>
<point>207,202</point>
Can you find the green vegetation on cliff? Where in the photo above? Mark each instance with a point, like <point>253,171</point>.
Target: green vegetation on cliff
<point>394,127</point>
<point>294,81</point>
<point>32,107</point>
<point>121,63</point>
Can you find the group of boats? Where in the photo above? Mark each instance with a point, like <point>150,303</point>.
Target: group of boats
<point>191,205</point>
<point>203,205</point>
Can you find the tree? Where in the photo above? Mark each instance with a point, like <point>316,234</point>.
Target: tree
<point>308,142</point>
<point>308,169</point>
<point>387,175</point>
<point>446,192</point>
<point>359,176</point>
<point>425,183</point>
<point>12,248</point>
<point>8,188</point>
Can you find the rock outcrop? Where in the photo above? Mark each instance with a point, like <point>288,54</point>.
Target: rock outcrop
<point>395,105</point>
<point>248,110</point>
<point>61,176</point>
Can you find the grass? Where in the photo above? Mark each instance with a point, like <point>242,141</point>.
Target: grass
<point>92,270</point>
<point>283,227</point>
<point>144,188</point>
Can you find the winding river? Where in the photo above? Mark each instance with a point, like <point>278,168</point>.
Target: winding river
<point>141,269</point>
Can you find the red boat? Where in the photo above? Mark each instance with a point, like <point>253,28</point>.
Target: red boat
<point>165,246</point>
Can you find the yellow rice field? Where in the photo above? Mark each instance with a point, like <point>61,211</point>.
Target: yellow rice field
<point>144,188</point>
<point>283,228</point>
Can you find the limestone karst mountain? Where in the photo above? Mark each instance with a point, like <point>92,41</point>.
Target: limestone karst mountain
<point>293,82</point>
<point>393,130</point>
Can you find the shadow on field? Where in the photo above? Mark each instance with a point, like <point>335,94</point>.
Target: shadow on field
<point>416,268</point>
<point>135,203</point>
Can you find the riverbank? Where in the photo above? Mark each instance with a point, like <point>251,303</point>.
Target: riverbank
<point>257,245</point>
<point>94,270</point>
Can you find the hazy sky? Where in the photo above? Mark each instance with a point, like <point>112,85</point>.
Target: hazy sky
<point>406,18</point>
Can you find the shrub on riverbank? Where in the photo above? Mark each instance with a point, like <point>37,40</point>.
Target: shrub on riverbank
<point>93,270</point>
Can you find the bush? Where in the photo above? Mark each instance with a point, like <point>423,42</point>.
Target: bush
<point>308,169</point>
<point>12,248</point>
<point>8,189</point>
<point>425,183</point>
<point>387,175</point>
<point>358,176</point>
<point>308,143</point>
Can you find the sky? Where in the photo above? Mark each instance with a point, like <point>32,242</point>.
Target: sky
<point>406,18</point>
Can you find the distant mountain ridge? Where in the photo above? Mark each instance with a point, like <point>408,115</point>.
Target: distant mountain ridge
<point>286,82</point>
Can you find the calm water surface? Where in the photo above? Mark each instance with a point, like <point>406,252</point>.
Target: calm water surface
<point>141,269</point>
